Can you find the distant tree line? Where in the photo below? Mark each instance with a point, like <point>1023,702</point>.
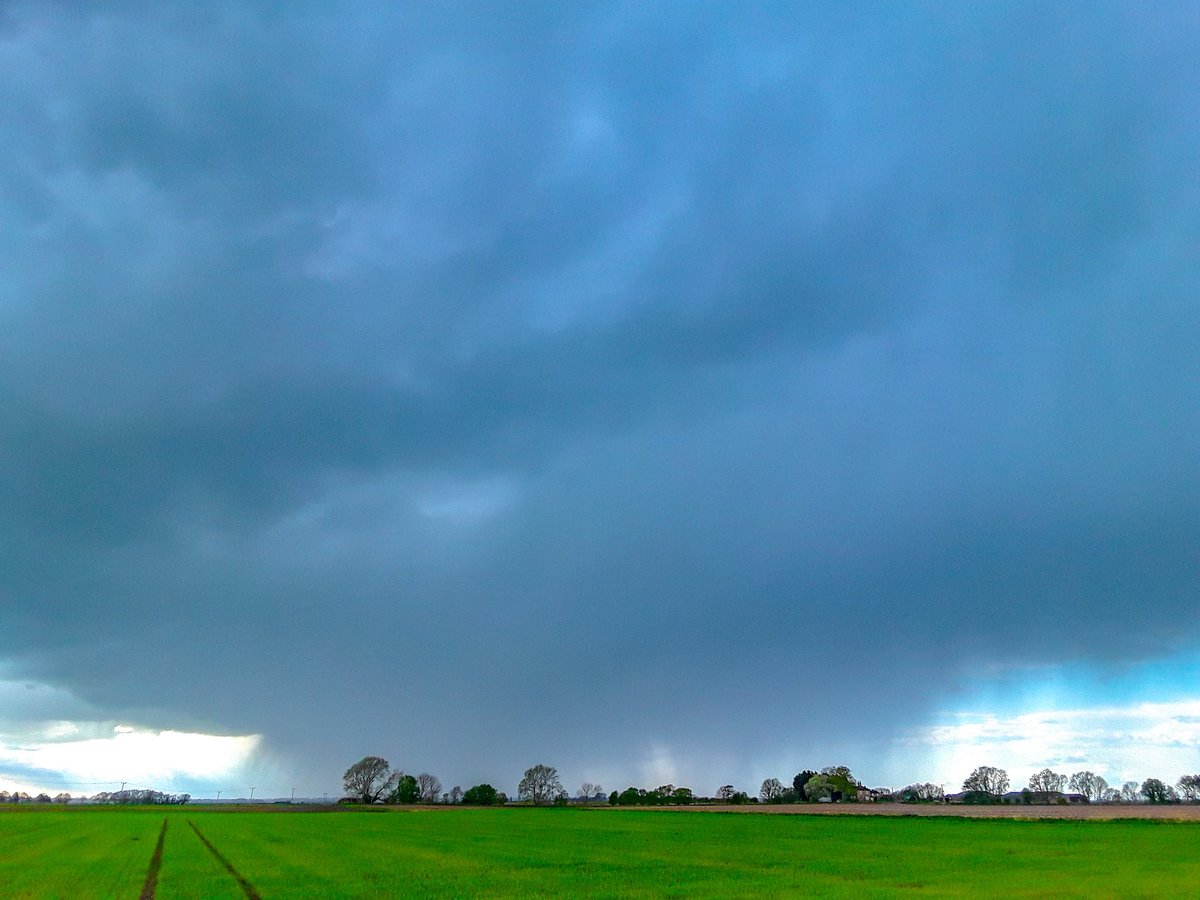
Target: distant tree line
<point>132,797</point>
<point>373,780</point>
<point>22,797</point>
<point>988,784</point>
<point>141,798</point>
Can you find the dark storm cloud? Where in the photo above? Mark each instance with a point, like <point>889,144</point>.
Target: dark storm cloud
<point>605,370</point>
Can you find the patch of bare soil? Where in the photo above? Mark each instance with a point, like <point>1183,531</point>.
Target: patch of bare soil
<point>1083,811</point>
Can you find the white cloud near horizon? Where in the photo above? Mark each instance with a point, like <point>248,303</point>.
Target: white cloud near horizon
<point>52,741</point>
<point>1119,742</point>
<point>162,760</point>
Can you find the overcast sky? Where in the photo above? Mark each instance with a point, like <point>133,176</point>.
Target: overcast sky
<point>691,392</point>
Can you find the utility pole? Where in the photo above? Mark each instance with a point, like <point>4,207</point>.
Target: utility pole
<point>123,783</point>
<point>218,795</point>
<point>293,800</point>
<point>251,793</point>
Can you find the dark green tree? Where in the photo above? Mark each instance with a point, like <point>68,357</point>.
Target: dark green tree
<point>799,782</point>
<point>408,790</point>
<point>1155,791</point>
<point>480,795</point>
<point>631,796</point>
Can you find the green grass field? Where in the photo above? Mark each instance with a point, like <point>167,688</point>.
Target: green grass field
<point>106,852</point>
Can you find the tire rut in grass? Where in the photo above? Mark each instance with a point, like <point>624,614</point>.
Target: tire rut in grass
<point>151,881</point>
<point>246,886</point>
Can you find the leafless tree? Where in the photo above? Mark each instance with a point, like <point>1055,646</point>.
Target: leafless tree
<point>1189,788</point>
<point>456,794</point>
<point>369,779</point>
<point>725,792</point>
<point>586,791</point>
<point>1089,784</point>
<point>925,792</point>
<point>1131,792</point>
<point>429,786</point>
<point>772,789</point>
<point>540,784</point>
<point>1047,782</point>
<point>988,779</point>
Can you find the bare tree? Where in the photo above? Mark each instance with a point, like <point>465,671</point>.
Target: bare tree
<point>456,794</point>
<point>923,793</point>
<point>586,791</point>
<point>1130,792</point>
<point>369,779</point>
<point>772,789</point>
<point>988,779</point>
<point>429,786</point>
<point>1189,788</point>
<point>1089,784</point>
<point>725,792</point>
<point>540,784</point>
<point>1047,782</point>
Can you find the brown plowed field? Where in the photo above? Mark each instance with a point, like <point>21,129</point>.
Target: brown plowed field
<point>1083,811</point>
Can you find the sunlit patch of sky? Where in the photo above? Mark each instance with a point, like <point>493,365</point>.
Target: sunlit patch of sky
<point>52,741</point>
<point>1129,722</point>
<point>161,760</point>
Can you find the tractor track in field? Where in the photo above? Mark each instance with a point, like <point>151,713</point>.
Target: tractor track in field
<point>151,881</point>
<point>246,886</point>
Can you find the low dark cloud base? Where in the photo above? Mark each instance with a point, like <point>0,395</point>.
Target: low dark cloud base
<point>568,385</point>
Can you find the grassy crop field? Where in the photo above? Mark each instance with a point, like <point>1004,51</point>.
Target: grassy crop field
<point>111,852</point>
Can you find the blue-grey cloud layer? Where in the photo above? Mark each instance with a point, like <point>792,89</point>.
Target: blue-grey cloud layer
<point>559,381</point>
